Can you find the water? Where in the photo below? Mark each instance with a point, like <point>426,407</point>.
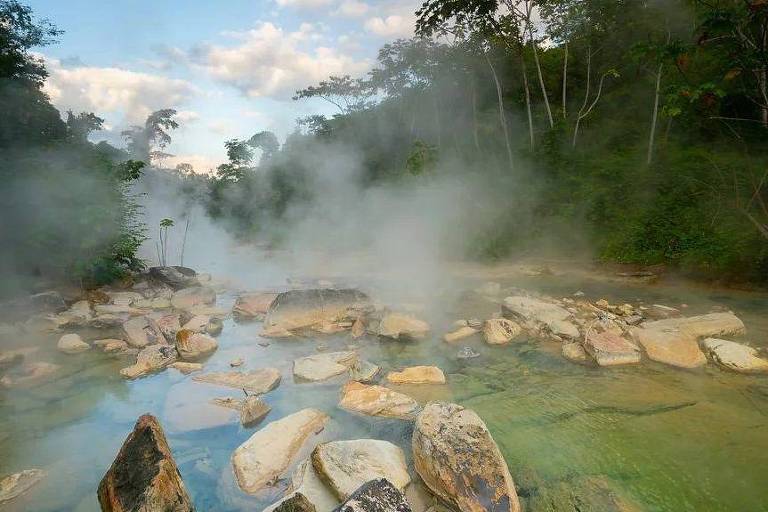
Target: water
<point>663,439</point>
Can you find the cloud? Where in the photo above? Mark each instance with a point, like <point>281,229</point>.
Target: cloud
<point>187,116</point>
<point>200,163</point>
<point>394,25</point>
<point>112,90</point>
<point>352,8</point>
<point>267,61</point>
<point>299,4</point>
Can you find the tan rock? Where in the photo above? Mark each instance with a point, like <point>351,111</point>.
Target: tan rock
<point>256,381</point>
<point>417,375</point>
<point>306,483</point>
<point>358,328</point>
<point>611,349</point>
<point>72,344</point>
<point>403,326</point>
<point>252,306</point>
<point>275,332</point>
<point>459,334</point>
<point>575,352</point>
<point>377,401</point>
<point>151,359</point>
<point>15,485</point>
<point>194,345</point>
<point>364,371</point>
<point>140,332</point>
<point>189,298</point>
<point>540,317</point>
<point>302,309</point>
<point>267,454</point>
<point>253,410</point>
<point>111,346</point>
<point>324,366</point>
<point>187,368</point>
<point>735,356</point>
<point>500,331</point>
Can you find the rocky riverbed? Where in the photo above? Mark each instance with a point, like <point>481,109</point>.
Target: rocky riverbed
<point>517,395</point>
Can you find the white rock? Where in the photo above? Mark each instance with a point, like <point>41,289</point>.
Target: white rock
<point>735,356</point>
<point>324,366</point>
<point>72,344</point>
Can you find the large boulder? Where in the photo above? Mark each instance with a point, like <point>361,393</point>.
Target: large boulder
<point>174,277</point>
<point>611,349</point>
<point>72,344</point>
<point>541,318</point>
<point>190,298</point>
<point>151,359</point>
<point>500,331</point>
<point>403,326</point>
<point>144,476</point>
<point>140,331</point>
<point>257,382</point>
<point>13,486</point>
<point>735,356</point>
<point>376,496</point>
<point>701,326</point>
<point>302,309</point>
<point>377,401</point>
<point>167,324</point>
<point>346,465</point>
<point>268,453</point>
<point>457,458</point>
<point>78,314</point>
<point>252,306</point>
<point>194,345</point>
<point>417,375</point>
<point>320,367</point>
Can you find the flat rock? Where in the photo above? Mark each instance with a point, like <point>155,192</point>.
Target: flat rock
<point>257,382</point>
<point>305,482</point>
<point>500,331</point>
<point>189,298</point>
<point>151,359</point>
<point>364,371</point>
<point>459,334</point>
<point>457,458</point>
<point>417,375</point>
<point>267,454</point>
<point>701,326</point>
<point>735,356</point>
<point>611,349</point>
<point>324,366</point>
<point>72,344</point>
<point>144,475</point>
<point>140,332</point>
<point>377,401</point>
<point>168,324</point>
<point>194,345</point>
<point>13,486</point>
<point>111,346</point>
<point>346,465</point>
<point>186,368</point>
<point>79,314</point>
<point>174,277</point>
<point>253,410</point>
<point>31,374</point>
<point>376,496</point>
<point>252,306</point>
<point>403,326</point>
<point>575,352</point>
<point>540,317</point>
<point>300,309</point>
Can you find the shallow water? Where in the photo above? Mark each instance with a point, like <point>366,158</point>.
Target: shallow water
<point>664,439</point>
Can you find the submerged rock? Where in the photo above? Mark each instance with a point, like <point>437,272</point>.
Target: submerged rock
<point>111,346</point>
<point>151,359</point>
<point>377,401</point>
<point>610,349</point>
<point>735,356</point>
<point>575,352</point>
<point>346,465</point>
<point>467,353</point>
<point>268,453</point>
<point>417,375</point>
<point>460,334</point>
<point>500,331</point>
<point>144,476</point>
<point>252,306</point>
<point>376,496</point>
<point>364,371</point>
<point>459,461</point>
<point>194,345</point>
<point>187,368</point>
<point>9,359</point>
<point>403,326</point>
<point>72,344</point>
<point>324,366</point>
<point>257,382</point>
<point>31,374</point>
<point>540,317</point>
<point>13,486</point>
<point>301,309</point>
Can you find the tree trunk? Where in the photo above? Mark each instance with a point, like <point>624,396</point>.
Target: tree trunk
<point>502,116</point>
<point>474,115</point>
<point>763,82</point>
<point>655,116</point>
<point>565,81</point>
<point>586,97</point>
<point>541,76</point>
<point>527,99</point>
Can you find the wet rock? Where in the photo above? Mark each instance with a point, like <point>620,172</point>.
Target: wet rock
<point>611,349</point>
<point>377,401</point>
<point>459,461</point>
<point>364,371</point>
<point>376,496</point>
<point>275,332</point>
<point>215,326</point>
<point>252,306</point>
<point>267,454</point>
<point>111,346</point>
<point>358,328</point>
<point>575,352</point>
<point>167,324</point>
<point>735,356</point>
<point>300,309</point>
<point>151,359</point>
<point>701,326</point>
<point>542,318</point>
<point>124,298</point>
<point>306,481</point>
<point>115,309</point>
<point>13,486</point>
<point>175,277</point>
<point>500,331</point>
<point>581,494</point>
<point>79,314</point>
<point>459,334</point>
<point>154,303</point>
<point>235,363</point>
<point>324,366</point>
<point>659,311</point>
<point>144,475</point>
<point>346,465</point>
<point>194,345</point>
<point>72,344</point>
<point>189,298</point>
<point>417,375</point>
<point>108,321</point>
<point>30,375</point>
<point>256,381</point>
<point>403,326</point>
<point>253,410</point>
<point>198,323</point>
<point>140,332</point>
<point>295,502</point>
<point>9,359</point>
<point>187,368</point>
<point>467,353</point>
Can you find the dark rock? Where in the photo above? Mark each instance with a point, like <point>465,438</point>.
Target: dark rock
<point>375,496</point>
<point>175,277</point>
<point>467,353</point>
<point>297,502</point>
<point>144,476</point>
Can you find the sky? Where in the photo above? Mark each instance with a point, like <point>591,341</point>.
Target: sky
<point>230,68</point>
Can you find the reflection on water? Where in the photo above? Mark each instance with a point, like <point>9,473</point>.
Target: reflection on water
<point>668,440</point>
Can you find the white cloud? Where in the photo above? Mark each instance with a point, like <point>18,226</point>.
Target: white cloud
<point>394,25</point>
<point>221,127</point>
<point>270,62</point>
<point>187,116</point>
<point>352,8</point>
<point>113,90</point>
<point>200,163</point>
<point>299,4</point>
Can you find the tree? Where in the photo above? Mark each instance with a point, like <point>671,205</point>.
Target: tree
<point>80,126</point>
<point>267,142</point>
<point>345,93</point>
<point>142,140</point>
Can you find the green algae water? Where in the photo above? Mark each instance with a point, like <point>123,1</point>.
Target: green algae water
<point>661,439</point>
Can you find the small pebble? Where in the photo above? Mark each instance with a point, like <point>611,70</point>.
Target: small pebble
<point>237,362</point>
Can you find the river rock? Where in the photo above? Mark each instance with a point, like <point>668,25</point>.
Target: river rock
<point>376,496</point>
<point>377,401</point>
<point>9,359</point>
<point>175,277</point>
<point>540,317</point>
<point>13,486</point>
<point>467,353</point>
<point>301,309</point>
<point>31,374</point>
<point>79,314</point>
<point>459,461</point>
<point>117,309</point>
<point>140,332</point>
<point>253,410</point>
<point>294,502</point>
<point>701,326</point>
<point>72,344</point>
<point>144,476</point>
<point>358,328</point>
<point>305,482</point>
<point>500,331</point>
<point>198,323</point>
<point>187,368</point>
<point>124,298</point>
<point>167,324</point>
<point>575,352</point>
<point>460,334</point>
<point>417,375</point>
<point>324,366</point>
<point>659,312</point>
<point>403,326</point>
<point>111,346</point>
<point>151,359</point>
<point>194,345</point>
<point>735,356</point>
<point>257,382</point>
<point>252,306</point>
<point>268,453</point>
<point>346,465</point>
<point>188,298</point>
<point>364,371</point>
<point>611,349</point>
